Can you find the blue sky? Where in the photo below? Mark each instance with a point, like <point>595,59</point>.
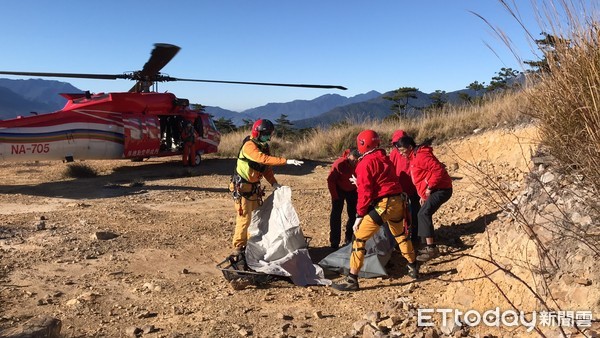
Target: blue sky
<point>363,45</point>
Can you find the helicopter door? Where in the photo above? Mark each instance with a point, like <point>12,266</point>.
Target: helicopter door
<point>142,135</point>
<point>210,136</point>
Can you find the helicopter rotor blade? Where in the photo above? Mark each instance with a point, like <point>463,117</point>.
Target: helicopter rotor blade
<point>71,75</point>
<point>159,57</point>
<point>260,83</point>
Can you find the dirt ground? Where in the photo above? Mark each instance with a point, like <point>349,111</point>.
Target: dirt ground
<point>174,225</point>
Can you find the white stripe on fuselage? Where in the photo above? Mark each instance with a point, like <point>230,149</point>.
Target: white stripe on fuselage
<point>92,113</point>
<point>64,126</point>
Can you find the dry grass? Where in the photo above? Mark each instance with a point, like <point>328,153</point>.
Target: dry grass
<point>565,99</point>
<point>79,170</point>
<point>443,124</point>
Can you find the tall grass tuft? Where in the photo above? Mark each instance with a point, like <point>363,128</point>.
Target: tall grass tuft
<point>566,98</point>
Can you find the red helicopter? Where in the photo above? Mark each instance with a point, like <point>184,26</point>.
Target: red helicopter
<point>135,125</point>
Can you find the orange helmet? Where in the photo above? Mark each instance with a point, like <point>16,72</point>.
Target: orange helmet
<point>367,140</point>
<point>262,127</point>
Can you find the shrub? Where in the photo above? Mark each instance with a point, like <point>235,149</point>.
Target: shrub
<point>79,170</point>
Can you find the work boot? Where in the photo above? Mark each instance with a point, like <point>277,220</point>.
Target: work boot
<point>349,284</point>
<point>413,270</point>
<point>238,259</point>
<point>428,253</point>
<point>238,251</point>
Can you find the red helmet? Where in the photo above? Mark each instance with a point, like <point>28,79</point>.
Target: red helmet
<point>262,127</point>
<point>398,134</point>
<point>367,140</point>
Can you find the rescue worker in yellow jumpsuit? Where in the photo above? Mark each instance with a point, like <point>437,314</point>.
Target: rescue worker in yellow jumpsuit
<point>380,200</point>
<point>188,136</point>
<point>254,162</point>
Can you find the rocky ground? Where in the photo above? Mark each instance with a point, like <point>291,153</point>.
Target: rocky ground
<point>135,250</point>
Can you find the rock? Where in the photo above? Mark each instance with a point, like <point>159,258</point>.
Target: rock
<point>148,329</point>
<point>104,235</point>
<point>370,331</point>
<point>545,160</point>
<point>449,328</point>
<point>88,296</point>
<point>284,316</point>
<point>240,283</point>
<point>431,333</point>
<point>583,281</point>
<point>72,302</point>
<point>389,322</point>
<point>133,331</point>
<point>372,316</point>
<point>244,332</point>
<point>547,177</point>
<point>41,225</point>
<point>37,327</point>
<point>359,325</point>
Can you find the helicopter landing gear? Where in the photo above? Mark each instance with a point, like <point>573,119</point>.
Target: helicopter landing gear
<point>197,159</point>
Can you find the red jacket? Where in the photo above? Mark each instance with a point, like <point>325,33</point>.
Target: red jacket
<point>403,172</point>
<point>427,171</point>
<point>339,177</point>
<point>375,178</point>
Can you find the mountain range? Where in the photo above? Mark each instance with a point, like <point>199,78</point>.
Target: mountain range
<point>21,97</point>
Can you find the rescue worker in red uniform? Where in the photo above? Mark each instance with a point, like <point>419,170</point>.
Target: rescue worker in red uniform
<point>254,162</point>
<point>342,190</point>
<point>403,171</point>
<point>434,187</point>
<point>188,136</point>
<point>380,200</point>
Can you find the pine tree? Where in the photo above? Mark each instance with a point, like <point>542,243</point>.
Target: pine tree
<point>283,126</point>
<point>400,98</point>
<point>548,47</point>
<point>502,80</point>
<point>225,125</point>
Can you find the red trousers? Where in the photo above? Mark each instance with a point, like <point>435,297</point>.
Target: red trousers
<point>189,154</point>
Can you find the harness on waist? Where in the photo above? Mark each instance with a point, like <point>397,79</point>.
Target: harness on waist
<point>375,213</point>
<point>242,188</point>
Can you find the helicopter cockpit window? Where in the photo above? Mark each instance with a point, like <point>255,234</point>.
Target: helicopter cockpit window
<point>212,124</point>
<point>199,126</point>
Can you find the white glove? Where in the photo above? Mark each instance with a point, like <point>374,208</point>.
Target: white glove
<point>276,186</point>
<point>353,179</point>
<point>356,224</point>
<point>294,162</point>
